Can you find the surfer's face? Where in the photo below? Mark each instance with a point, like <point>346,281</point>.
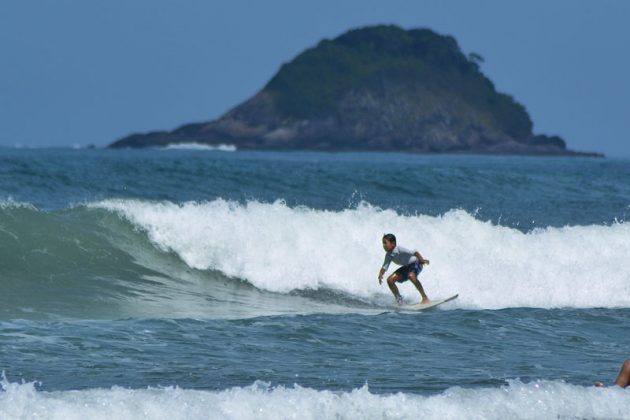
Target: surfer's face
<point>388,246</point>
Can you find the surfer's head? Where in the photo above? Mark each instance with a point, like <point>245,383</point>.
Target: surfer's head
<point>389,242</point>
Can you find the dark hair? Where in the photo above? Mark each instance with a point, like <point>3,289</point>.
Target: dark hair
<point>390,237</point>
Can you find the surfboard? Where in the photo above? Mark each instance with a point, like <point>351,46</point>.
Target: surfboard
<point>424,306</point>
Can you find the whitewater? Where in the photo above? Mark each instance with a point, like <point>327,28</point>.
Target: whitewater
<point>541,400</point>
<point>187,283</point>
<point>491,266</point>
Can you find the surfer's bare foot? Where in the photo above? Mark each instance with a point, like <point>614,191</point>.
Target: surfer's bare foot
<point>598,384</point>
<point>399,300</point>
<point>425,300</point>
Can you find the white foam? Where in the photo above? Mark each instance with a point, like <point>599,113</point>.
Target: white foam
<point>200,146</point>
<point>9,203</point>
<point>539,400</point>
<point>279,248</point>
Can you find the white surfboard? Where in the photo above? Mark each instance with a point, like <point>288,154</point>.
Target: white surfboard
<point>425,306</point>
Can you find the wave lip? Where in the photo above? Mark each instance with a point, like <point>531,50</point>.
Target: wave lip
<point>9,203</point>
<point>540,400</point>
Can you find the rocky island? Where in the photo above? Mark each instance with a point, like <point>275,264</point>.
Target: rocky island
<point>378,88</point>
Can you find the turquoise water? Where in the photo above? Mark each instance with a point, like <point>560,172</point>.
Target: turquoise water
<point>208,284</point>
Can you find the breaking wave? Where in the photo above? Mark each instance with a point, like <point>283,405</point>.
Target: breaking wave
<point>540,400</point>
<point>221,258</point>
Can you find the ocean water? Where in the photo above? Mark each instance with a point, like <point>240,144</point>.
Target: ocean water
<point>199,283</point>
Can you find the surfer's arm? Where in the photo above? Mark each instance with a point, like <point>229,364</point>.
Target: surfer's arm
<point>380,275</point>
<point>384,267</point>
<point>422,260</point>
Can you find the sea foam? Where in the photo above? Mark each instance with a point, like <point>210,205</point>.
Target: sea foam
<point>201,146</point>
<point>279,248</point>
<point>540,400</point>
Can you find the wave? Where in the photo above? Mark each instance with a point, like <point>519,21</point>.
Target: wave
<point>541,400</point>
<point>86,262</point>
<point>283,249</point>
<point>220,258</point>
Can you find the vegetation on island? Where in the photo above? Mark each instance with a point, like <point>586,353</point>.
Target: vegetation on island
<point>315,81</point>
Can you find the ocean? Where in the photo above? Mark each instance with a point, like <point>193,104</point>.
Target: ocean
<point>191,284</point>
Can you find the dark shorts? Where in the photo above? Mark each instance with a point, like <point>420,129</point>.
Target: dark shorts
<point>403,271</point>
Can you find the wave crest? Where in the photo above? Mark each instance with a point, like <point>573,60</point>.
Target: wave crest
<point>282,249</point>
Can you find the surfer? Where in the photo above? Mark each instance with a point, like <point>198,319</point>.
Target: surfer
<point>411,263</point>
<point>623,379</point>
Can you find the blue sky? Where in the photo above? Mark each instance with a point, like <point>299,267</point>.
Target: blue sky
<point>79,72</point>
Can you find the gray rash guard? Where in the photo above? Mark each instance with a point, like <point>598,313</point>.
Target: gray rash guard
<point>399,255</point>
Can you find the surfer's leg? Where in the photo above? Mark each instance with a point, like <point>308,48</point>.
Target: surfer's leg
<point>623,379</point>
<point>391,282</point>
<point>399,275</point>
<point>414,279</point>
